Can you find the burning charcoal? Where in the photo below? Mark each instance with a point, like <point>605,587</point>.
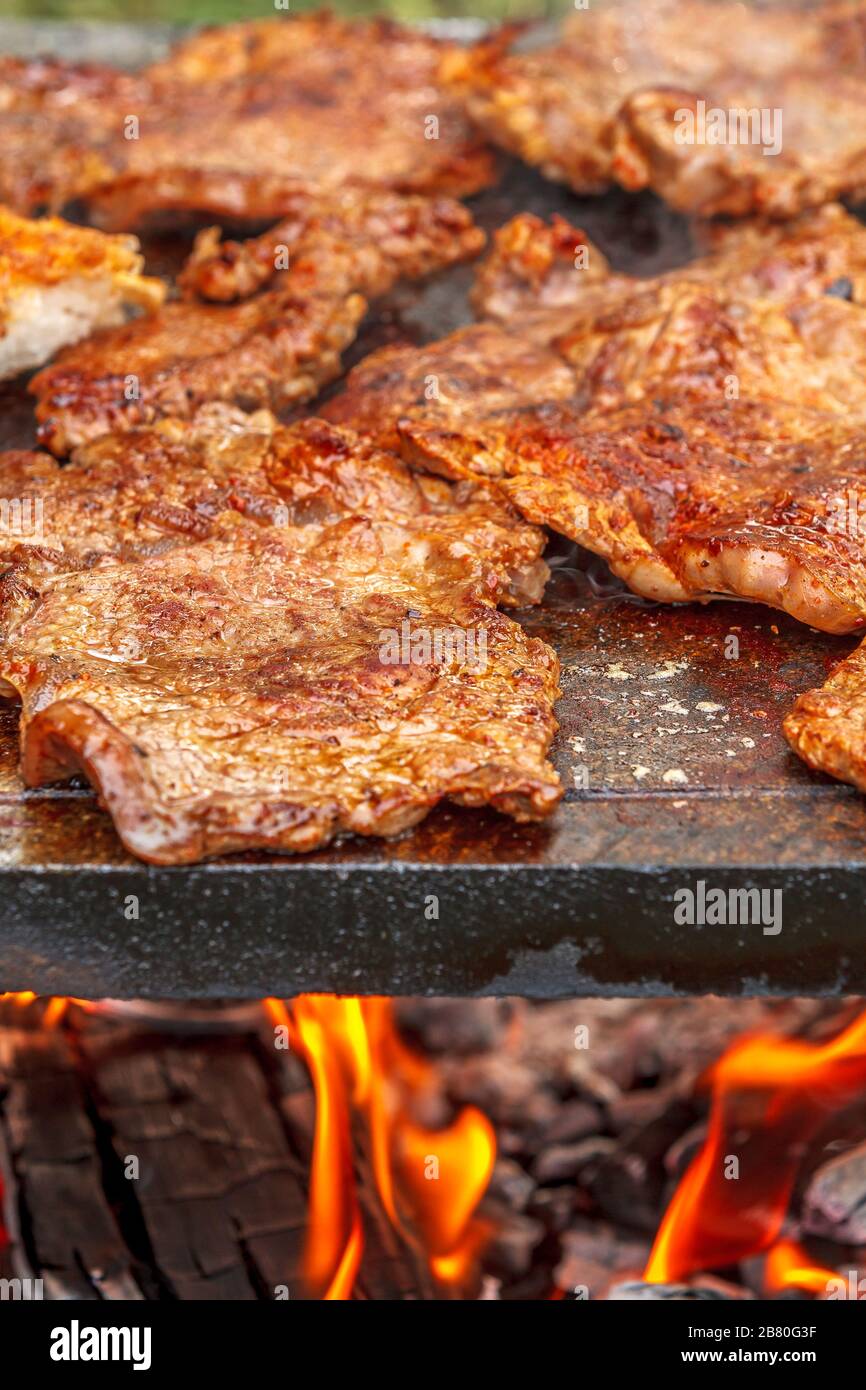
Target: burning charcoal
<point>508,1091</point>
<point>458,1027</point>
<point>835,1200</point>
<point>509,1252</point>
<point>580,1042</point>
<point>621,1187</point>
<point>639,1109</point>
<point>554,1206</point>
<point>511,1184</point>
<point>593,1255</point>
<point>683,1150</point>
<point>574,1119</point>
<point>563,1161</point>
<point>637,1292</point>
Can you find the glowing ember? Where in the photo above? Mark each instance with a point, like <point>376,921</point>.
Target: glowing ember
<point>55,1005</point>
<point>770,1097</point>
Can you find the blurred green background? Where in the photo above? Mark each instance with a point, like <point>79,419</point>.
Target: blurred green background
<point>203,11</point>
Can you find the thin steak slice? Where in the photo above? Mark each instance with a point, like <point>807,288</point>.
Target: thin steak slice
<point>458,380</point>
<point>137,495</point>
<point>282,678</point>
<point>233,118</point>
<point>610,101</point>
<point>827,727</point>
<point>772,313</point>
<point>686,497</point>
<point>269,350</point>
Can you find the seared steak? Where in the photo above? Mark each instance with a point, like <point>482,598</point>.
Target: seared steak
<point>232,119</point>
<point>273,349</point>
<point>685,497</point>
<point>293,638</point>
<point>630,91</point>
<point>712,439</point>
<point>769,313</point>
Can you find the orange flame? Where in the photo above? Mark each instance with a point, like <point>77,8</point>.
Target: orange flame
<point>770,1096</point>
<point>429,1180</point>
<point>440,1174</point>
<point>56,1004</point>
<point>334,1236</point>
<point>788,1267</point>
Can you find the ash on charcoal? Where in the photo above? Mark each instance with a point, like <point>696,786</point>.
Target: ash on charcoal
<point>593,1255</point>
<point>835,1200</point>
<point>638,1292</point>
<point>510,1184</point>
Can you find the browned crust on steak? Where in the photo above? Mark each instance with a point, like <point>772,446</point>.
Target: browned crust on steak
<point>233,117</point>
<point>604,102</point>
<point>135,496</point>
<point>827,727</point>
<point>687,498</point>
<point>238,685</point>
<point>347,239</point>
<point>273,349</point>
<point>482,368</point>
<point>61,129</point>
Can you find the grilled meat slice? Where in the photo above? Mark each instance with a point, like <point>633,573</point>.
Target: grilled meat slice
<point>61,130</point>
<point>274,349</point>
<point>346,239</point>
<point>267,680</point>
<point>130,496</point>
<point>686,497</point>
<point>472,372</point>
<point>228,697</point>
<point>827,727</point>
<point>58,282</point>
<point>138,495</point>
<point>329,99</point>
<point>694,335</point>
<point>270,351</point>
<point>606,102</point>
<point>771,312</point>
<point>548,276</point>
<point>233,118</point>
